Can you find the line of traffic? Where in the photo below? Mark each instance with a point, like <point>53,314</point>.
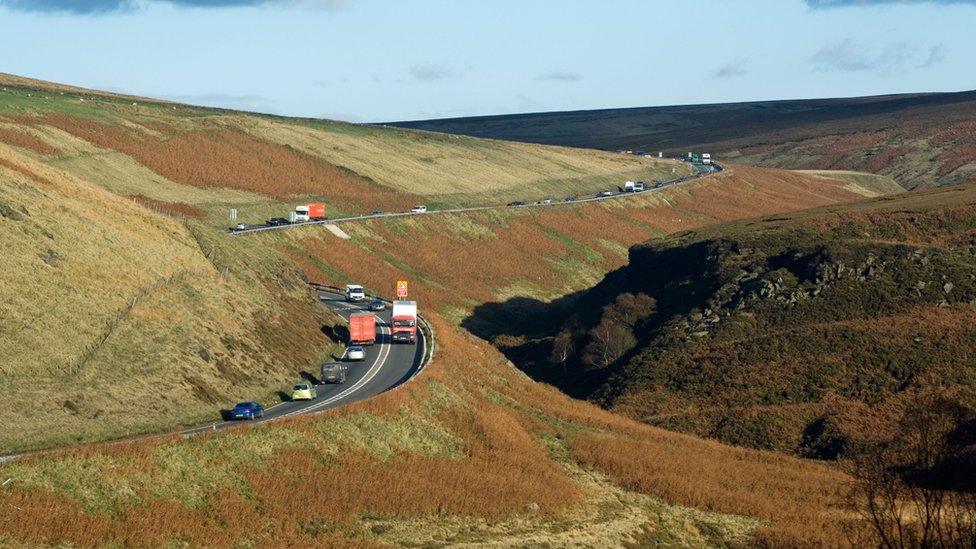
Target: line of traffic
<point>281,223</point>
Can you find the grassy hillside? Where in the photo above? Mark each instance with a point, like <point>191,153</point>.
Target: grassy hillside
<point>459,261</point>
<point>472,452</point>
<point>119,320</point>
<point>218,159</point>
<point>920,140</point>
<point>808,333</point>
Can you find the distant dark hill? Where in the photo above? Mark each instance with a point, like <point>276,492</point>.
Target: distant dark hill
<point>805,332</point>
<point>921,140</point>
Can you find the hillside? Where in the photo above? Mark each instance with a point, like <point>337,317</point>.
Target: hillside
<point>471,452</point>
<point>920,140</point>
<point>118,320</point>
<point>262,165</point>
<point>808,333</point>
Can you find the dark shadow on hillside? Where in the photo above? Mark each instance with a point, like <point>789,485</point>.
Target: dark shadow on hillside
<point>680,279</point>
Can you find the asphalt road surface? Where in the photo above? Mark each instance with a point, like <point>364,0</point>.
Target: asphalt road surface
<point>701,170</point>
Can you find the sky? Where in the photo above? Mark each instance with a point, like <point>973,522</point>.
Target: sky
<point>375,61</point>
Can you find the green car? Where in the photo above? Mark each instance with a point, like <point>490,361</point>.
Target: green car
<point>303,390</point>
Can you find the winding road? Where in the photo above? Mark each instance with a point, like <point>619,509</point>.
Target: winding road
<point>386,366</point>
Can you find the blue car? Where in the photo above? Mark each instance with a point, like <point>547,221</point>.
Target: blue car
<point>247,410</point>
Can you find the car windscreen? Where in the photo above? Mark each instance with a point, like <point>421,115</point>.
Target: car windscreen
<point>401,323</point>
<point>300,387</point>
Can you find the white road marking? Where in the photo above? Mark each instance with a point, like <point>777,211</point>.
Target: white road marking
<point>385,350</point>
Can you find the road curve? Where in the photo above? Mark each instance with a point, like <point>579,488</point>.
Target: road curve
<point>386,367</point>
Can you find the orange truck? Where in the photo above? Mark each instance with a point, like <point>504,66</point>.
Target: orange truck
<point>362,329</point>
<point>310,212</point>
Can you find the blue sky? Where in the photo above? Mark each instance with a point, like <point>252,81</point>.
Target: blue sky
<point>371,60</point>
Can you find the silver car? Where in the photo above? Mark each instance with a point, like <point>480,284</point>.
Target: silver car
<point>355,353</point>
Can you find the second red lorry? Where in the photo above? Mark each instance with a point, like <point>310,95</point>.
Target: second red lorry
<point>362,329</point>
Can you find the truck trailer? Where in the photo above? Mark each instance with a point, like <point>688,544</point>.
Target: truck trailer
<point>309,212</point>
<point>362,329</point>
<point>404,322</point>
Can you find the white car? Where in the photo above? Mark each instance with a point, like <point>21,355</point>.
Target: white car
<point>240,227</point>
<point>419,209</point>
<point>355,353</point>
<point>355,293</point>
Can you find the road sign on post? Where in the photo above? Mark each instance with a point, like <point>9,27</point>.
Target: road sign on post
<point>401,289</point>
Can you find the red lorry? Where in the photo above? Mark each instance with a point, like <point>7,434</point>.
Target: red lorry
<point>362,329</point>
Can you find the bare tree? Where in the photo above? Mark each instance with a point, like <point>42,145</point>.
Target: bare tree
<point>897,491</point>
<point>563,346</point>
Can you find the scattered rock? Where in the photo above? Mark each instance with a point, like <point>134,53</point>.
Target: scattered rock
<point>10,213</point>
<point>947,287</point>
<point>52,258</point>
<point>532,507</point>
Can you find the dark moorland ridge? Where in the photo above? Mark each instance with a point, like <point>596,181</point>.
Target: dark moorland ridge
<point>922,140</point>
<point>808,333</point>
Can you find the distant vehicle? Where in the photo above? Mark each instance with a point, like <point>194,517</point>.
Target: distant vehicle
<point>516,204</point>
<point>355,293</point>
<point>547,201</point>
<point>419,209</point>
<point>240,227</point>
<point>569,199</point>
<point>706,158</point>
<point>276,221</point>
<point>309,212</point>
<point>375,213</point>
<point>362,329</point>
<point>404,322</point>
<point>639,187</point>
<point>355,353</point>
<point>377,305</point>
<point>628,187</point>
<point>333,372</point>
<point>247,410</point>
<point>601,194</point>
<point>303,390</point>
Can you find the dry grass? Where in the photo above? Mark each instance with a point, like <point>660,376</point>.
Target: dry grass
<point>23,139</point>
<point>174,209</point>
<point>229,159</point>
<point>122,310</point>
<point>473,258</point>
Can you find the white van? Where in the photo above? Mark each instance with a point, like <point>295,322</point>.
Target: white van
<point>419,209</point>
<point>355,292</point>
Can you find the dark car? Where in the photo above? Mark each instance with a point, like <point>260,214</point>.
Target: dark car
<point>516,204</point>
<point>333,372</point>
<point>376,213</point>
<point>569,199</point>
<point>247,410</point>
<point>276,221</point>
<point>601,194</point>
<point>377,305</point>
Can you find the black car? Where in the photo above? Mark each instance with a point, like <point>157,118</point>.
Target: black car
<point>276,221</point>
<point>516,204</point>
<point>570,199</point>
<point>376,213</point>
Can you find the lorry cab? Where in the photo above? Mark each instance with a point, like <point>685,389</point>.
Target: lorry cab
<point>354,293</point>
<point>403,322</point>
